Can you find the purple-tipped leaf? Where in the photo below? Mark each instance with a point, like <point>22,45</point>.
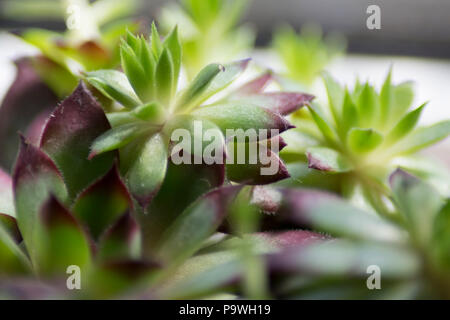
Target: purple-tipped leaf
<point>254,86</point>
<point>68,136</point>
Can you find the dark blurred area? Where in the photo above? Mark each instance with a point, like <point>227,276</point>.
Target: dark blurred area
<point>408,27</point>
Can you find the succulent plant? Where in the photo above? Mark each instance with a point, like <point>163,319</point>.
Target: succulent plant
<point>360,138</point>
<point>208,30</point>
<point>60,210</point>
<point>305,55</point>
<point>410,256</point>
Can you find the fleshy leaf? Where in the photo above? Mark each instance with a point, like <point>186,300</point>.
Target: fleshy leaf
<point>367,105</point>
<point>335,95</point>
<point>441,238</point>
<point>116,138</point>
<point>403,96</point>
<point>363,140</point>
<point>236,116</point>
<point>325,159</point>
<point>144,164</point>
<point>134,72</point>
<point>196,224</point>
<point>65,243</point>
<point>199,85</point>
<point>282,103</point>
<point>12,259</point>
<point>35,178</point>
<point>163,210</point>
<point>326,129</point>
<point>164,77</point>
<point>6,194</point>
<point>114,198</point>
<point>405,125</point>
<point>325,212</point>
<point>254,86</point>
<point>121,241</point>
<point>418,202</point>
<point>262,167</point>
<point>225,78</point>
<point>342,258</point>
<point>114,84</point>
<point>423,137</point>
<point>172,43</point>
<point>68,136</point>
<point>205,140</point>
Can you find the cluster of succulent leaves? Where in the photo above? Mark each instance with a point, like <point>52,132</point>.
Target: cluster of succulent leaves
<point>305,55</point>
<point>208,31</point>
<point>360,137</point>
<point>95,186</point>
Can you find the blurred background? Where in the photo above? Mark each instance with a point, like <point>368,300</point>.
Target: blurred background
<point>414,38</point>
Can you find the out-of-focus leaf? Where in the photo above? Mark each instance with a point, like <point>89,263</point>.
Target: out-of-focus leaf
<point>196,224</point>
<point>6,195</point>
<point>35,178</point>
<point>102,203</point>
<point>10,225</point>
<point>335,95</point>
<point>254,86</point>
<point>418,202</point>
<point>325,212</point>
<point>363,140</point>
<point>423,137</point>
<point>367,105</point>
<point>403,96</point>
<point>144,164</point>
<point>68,136</point>
<point>325,159</point>
<point>342,258</point>
<point>157,47</point>
<point>326,129</point>
<point>386,99</point>
<point>349,113</point>
<point>163,210</point>
<point>12,259</point>
<point>441,238</point>
<point>26,98</point>
<point>121,241</point>
<point>236,116</point>
<point>405,125</point>
<point>114,85</point>
<point>65,243</point>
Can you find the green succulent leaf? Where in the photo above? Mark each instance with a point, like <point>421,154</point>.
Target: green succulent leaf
<point>35,178</point>
<point>199,85</point>
<point>336,95</point>
<point>10,225</point>
<point>116,138</point>
<point>422,138</point>
<point>114,198</point>
<point>367,105</point>
<point>344,258</point>
<point>326,159</point>
<point>350,115</point>
<point>326,213</point>
<point>12,258</point>
<point>441,238</point>
<point>114,85</point>
<point>224,79</point>
<point>236,116</point>
<point>68,136</point>
<point>164,77</point>
<point>144,164</point>
<point>173,45</point>
<point>65,244</point>
<point>121,241</point>
<point>405,125</point>
<point>418,202</point>
<point>134,71</point>
<point>363,140</point>
<point>198,222</point>
<point>157,46</point>
<point>403,96</point>
<point>327,130</point>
